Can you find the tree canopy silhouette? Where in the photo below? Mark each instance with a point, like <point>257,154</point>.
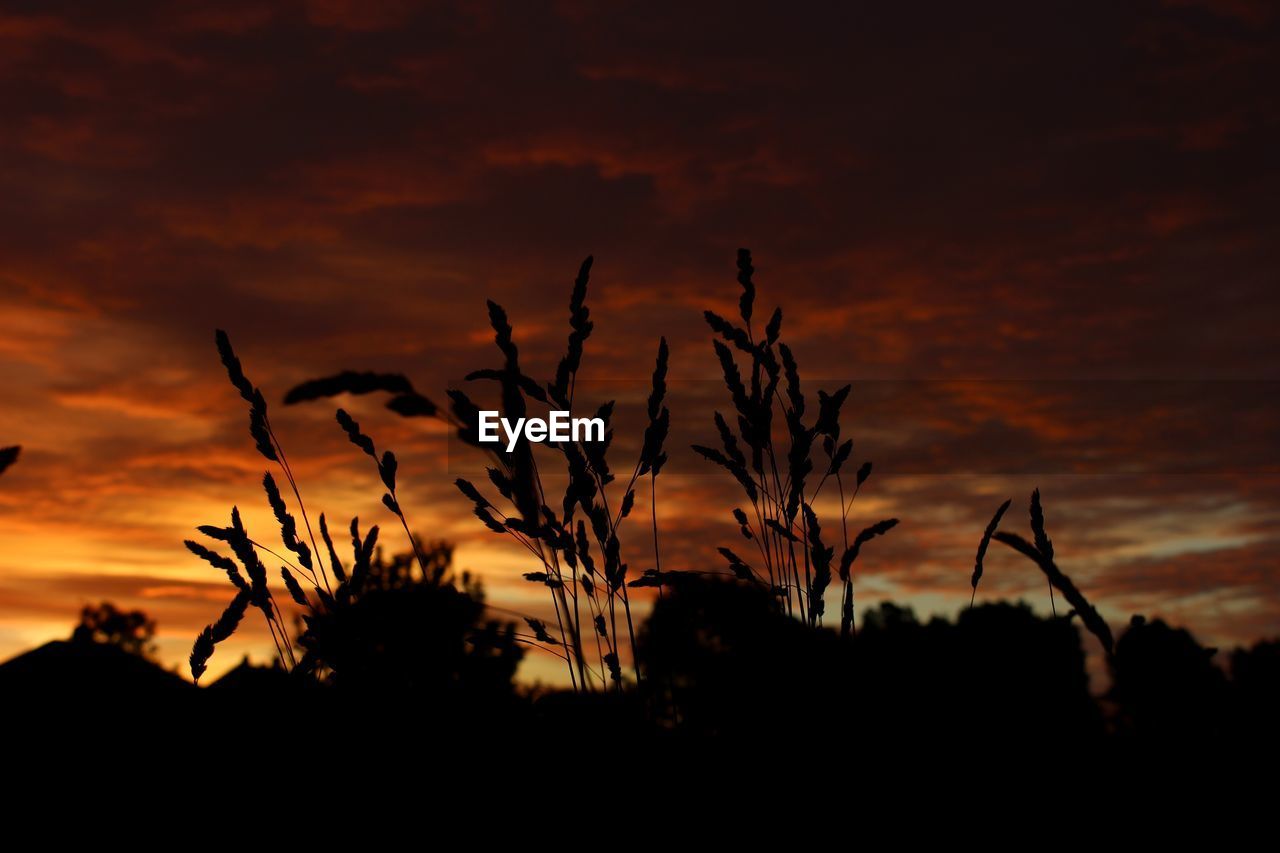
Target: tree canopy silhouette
<point>132,631</point>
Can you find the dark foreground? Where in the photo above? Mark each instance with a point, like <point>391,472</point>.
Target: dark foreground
<point>719,663</point>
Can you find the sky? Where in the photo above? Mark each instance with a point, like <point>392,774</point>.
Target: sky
<point>1039,239</point>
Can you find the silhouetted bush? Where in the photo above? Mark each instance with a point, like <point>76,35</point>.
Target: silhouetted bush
<point>735,663</point>
<point>409,632</point>
<point>131,631</point>
<point>1255,681</point>
<point>1166,686</point>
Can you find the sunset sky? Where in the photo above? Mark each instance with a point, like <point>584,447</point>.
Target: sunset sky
<point>1041,239</point>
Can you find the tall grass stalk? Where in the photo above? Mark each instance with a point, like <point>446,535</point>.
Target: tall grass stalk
<point>775,467</point>
<point>308,561</point>
<point>1041,553</point>
<point>586,524</point>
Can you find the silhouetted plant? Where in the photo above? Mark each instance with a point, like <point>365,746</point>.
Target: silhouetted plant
<point>1041,554</point>
<point>579,585</point>
<point>329,647</point>
<point>1255,680</point>
<point>998,675</point>
<point>728,646</point>
<point>982,548</point>
<point>574,541</point>
<point>776,478</point>
<point>1165,685</point>
<point>415,626</point>
<point>132,630</point>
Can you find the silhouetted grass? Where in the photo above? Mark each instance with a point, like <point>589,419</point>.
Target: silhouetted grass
<point>576,543</point>
<point>1042,555</point>
<point>328,611</point>
<point>573,538</point>
<point>781,446</point>
<point>777,476</point>
<point>982,548</point>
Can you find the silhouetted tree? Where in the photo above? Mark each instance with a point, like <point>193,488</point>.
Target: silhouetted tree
<point>410,630</point>
<point>131,631</point>
<point>729,655</point>
<point>1255,681</point>
<point>736,663</point>
<point>1165,685</point>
